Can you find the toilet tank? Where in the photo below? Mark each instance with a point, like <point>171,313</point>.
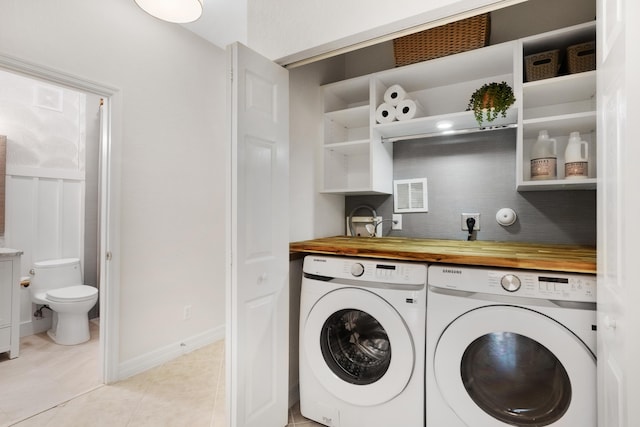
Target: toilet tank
<point>55,273</point>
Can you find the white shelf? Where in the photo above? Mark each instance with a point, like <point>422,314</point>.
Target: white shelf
<point>559,184</point>
<point>353,191</point>
<point>560,125</point>
<point>559,90</point>
<point>454,69</point>
<point>346,94</point>
<point>428,126</point>
<point>350,148</point>
<point>350,117</point>
<point>350,124</point>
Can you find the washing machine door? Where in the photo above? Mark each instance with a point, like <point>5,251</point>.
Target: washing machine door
<point>358,346</point>
<point>512,366</point>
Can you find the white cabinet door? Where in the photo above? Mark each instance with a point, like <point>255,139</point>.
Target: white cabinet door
<point>9,306</point>
<point>6,293</point>
<point>257,291</point>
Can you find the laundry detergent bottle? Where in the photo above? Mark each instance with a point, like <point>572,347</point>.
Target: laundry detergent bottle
<point>576,158</point>
<point>544,158</point>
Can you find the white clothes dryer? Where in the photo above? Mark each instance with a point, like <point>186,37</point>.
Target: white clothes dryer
<point>362,341</point>
<point>510,348</point>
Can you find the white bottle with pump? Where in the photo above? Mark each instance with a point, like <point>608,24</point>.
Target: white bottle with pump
<point>576,158</point>
<point>544,158</point>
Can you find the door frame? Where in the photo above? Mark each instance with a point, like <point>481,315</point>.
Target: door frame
<point>109,265</point>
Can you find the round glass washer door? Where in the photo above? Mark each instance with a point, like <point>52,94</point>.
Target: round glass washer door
<point>358,347</point>
<point>512,366</point>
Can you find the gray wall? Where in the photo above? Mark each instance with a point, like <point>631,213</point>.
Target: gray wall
<point>476,173</point>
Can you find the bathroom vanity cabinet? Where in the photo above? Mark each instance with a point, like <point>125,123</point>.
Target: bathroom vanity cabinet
<point>10,301</point>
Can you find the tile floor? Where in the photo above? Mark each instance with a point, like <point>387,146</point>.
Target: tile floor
<point>296,419</point>
<point>46,374</point>
<point>187,391</point>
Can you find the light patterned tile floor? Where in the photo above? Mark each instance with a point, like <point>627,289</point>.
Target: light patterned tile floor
<point>296,418</point>
<point>46,374</point>
<point>187,391</point>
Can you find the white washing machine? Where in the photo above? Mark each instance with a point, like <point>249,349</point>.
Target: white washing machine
<point>510,348</point>
<point>362,342</point>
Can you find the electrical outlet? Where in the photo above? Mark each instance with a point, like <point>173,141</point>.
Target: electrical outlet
<point>475,216</point>
<point>397,222</point>
<point>186,314</point>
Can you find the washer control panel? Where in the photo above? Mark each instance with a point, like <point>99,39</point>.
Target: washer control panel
<point>370,270</point>
<point>522,283</point>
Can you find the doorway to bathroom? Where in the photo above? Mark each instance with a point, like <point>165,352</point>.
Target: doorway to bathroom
<point>58,130</point>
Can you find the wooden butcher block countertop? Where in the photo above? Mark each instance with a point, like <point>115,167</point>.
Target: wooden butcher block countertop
<point>533,256</point>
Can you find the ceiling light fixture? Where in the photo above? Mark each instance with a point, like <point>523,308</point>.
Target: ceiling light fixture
<point>176,11</point>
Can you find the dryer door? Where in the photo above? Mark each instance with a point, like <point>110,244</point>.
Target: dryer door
<point>358,347</point>
<point>512,366</point>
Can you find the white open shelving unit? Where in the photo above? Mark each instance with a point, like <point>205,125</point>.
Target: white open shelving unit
<point>348,153</point>
<point>559,105</point>
<point>358,151</point>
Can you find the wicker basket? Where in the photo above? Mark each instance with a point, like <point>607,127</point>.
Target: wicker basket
<point>456,37</point>
<point>542,65</point>
<point>581,57</point>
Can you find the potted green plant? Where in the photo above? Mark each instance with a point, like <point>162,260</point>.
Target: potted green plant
<point>491,100</point>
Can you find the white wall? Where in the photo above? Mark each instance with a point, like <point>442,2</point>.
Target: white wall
<point>169,133</point>
<point>222,22</point>
<point>325,25</point>
<point>311,214</point>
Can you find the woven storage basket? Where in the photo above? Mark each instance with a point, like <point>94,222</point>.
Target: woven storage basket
<point>581,57</point>
<point>456,37</point>
<point>542,65</point>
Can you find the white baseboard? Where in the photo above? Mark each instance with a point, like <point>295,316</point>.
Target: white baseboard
<point>158,357</point>
<point>35,326</point>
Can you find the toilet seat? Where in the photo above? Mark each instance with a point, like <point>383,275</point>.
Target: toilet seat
<point>76,293</point>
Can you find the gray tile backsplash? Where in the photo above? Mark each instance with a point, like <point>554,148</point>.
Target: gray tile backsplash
<point>476,173</point>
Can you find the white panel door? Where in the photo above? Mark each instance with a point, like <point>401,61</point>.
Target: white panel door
<point>257,292</point>
<point>618,205</point>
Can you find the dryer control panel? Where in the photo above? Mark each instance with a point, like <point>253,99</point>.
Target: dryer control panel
<point>522,283</point>
<point>369,270</point>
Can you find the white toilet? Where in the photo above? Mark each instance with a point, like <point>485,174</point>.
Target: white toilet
<point>57,283</point>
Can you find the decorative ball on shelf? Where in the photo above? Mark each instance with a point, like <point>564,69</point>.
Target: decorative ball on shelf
<point>490,101</point>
